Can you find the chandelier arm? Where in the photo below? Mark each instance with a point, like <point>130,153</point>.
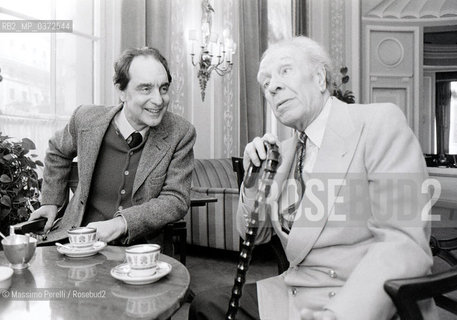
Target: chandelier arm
<point>225,69</point>
<point>192,59</point>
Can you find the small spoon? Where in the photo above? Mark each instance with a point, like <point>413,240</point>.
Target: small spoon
<point>3,236</point>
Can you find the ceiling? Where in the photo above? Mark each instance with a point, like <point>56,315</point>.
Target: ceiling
<point>414,9</point>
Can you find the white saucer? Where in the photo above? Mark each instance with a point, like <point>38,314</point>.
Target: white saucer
<point>75,252</point>
<point>5,278</point>
<point>122,272</point>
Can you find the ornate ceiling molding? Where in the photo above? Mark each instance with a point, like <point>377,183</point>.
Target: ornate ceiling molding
<point>414,9</point>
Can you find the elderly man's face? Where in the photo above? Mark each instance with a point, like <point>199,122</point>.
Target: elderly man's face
<point>146,95</point>
<point>291,86</point>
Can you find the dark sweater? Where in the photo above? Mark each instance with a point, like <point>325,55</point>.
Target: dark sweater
<point>112,181</point>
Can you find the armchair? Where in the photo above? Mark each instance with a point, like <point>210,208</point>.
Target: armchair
<point>406,293</point>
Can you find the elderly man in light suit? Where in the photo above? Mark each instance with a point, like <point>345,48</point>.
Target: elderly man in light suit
<point>135,160</point>
<point>348,201</point>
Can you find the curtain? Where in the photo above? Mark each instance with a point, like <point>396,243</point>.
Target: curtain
<point>158,13</point>
<point>133,23</point>
<point>299,18</point>
<point>253,41</point>
<point>442,113</point>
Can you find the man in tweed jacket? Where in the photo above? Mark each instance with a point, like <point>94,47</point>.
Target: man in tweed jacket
<point>135,160</point>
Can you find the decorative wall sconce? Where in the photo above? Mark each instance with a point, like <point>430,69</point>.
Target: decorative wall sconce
<point>216,53</point>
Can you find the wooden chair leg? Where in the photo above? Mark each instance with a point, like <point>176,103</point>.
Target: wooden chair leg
<point>182,245</point>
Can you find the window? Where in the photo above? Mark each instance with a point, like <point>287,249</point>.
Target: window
<point>446,112</point>
<point>453,119</point>
<point>47,75</point>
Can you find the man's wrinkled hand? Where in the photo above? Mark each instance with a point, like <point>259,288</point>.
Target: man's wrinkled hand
<point>306,314</point>
<point>47,211</point>
<point>109,230</point>
<point>256,151</point>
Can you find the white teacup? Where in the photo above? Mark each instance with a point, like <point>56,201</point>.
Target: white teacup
<point>142,259</point>
<point>82,237</point>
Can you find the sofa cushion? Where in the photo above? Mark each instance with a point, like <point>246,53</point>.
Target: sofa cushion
<point>214,224</point>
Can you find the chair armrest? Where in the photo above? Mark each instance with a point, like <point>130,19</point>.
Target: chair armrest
<point>424,287</point>
<point>199,189</point>
<point>223,190</point>
<point>406,292</point>
<point>207,190</point>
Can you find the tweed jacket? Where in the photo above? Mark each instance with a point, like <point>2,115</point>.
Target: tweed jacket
<point>161,186</point>
<point>360,223</point>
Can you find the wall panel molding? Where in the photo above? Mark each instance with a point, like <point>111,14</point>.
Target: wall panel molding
<point>337,31</point>
<point>178,57</point>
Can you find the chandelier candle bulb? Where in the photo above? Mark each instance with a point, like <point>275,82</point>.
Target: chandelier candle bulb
<point>193,35</point>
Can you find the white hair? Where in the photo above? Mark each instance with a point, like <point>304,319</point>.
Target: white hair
<point>313,51</point>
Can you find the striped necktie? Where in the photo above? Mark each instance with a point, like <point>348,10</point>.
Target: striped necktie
<point>134,140</point>
<point>287,216</point>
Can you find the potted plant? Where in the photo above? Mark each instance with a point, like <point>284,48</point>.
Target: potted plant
<point>19,183</point>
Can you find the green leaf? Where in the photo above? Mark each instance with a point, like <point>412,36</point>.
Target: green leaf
<point>8,157</point>
<point>39,163</point>
<point>5,179</point>
<point>28,144</point>
<point>6,201</point>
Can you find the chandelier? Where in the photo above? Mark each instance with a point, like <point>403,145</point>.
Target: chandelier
<point>216,52</point>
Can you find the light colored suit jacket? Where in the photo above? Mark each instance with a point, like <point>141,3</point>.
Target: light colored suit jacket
<point>360,223</point>
<point>162,182</point>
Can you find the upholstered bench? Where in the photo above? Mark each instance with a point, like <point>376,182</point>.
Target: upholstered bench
<point>213,225</point>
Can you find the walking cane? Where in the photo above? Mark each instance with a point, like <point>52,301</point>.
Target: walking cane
<point>269,167</point>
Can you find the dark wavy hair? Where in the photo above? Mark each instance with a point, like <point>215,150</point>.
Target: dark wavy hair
<point>122,65</point>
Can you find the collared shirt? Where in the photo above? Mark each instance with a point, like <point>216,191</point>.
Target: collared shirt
<point>315,132</point>
<point>124,127</point>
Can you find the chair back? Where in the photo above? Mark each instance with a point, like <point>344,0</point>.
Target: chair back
<point>237,164</point>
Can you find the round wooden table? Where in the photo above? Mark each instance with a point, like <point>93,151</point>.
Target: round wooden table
<point>59,287</point>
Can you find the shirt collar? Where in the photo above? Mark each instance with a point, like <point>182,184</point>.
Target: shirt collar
<point>124,127</point>
<point>315,131</point>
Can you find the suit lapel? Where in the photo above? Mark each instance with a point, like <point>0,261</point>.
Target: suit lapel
<point>153,152</point>
<point>340,140</point>
<point>91,140</point>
